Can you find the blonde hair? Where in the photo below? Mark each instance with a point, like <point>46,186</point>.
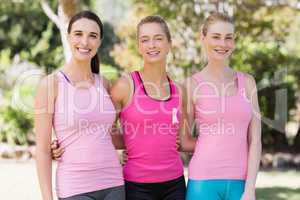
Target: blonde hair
<point>213,18</point>
<point>155,19</point>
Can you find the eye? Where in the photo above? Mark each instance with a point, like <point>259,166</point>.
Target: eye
<point>159,38</point>
<point>216,37</point>
<point>93,36</point>
<point>144,40</point>
<point>78,34</point>
<point>229,38</point>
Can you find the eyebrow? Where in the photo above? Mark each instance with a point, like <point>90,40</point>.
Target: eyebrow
<point>156,35</point>
<point>78,31</point>
<point>218,34</point>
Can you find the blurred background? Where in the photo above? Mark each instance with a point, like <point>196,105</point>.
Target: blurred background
<point>32,44</point>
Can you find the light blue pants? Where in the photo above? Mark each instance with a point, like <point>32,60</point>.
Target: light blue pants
<point>215,189</point>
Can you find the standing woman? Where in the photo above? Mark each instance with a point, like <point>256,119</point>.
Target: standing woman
<point>150,107</point>
<point>75,103</point>
<point>226,112</point>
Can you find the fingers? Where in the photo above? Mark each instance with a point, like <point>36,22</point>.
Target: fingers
<point>177,142</point>
<point>57,153</point>
<point>124,157</point>
<point>54,144</point>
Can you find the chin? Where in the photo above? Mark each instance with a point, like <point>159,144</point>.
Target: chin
<point>154,60</point>
<point>82,58</point>
<point>219,58</point>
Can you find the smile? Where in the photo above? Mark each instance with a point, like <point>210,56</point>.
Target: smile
<point>153,53</point>
<point>83,50</point>
<point>221,51</point>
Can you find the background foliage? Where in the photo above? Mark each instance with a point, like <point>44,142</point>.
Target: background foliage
<point>267,38</point>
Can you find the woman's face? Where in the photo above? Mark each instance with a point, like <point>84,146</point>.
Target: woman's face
<point>153,43</point>
<point>84,39</point>
<point>219,41</point>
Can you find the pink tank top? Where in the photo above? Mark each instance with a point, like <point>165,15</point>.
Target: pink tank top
<point>82,122</point>
<point>150,127</point>
<point>222,148</point>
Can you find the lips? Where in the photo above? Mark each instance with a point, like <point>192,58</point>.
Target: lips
<point>83,50</point>
<point>153,53</point>
<point>221,51</point>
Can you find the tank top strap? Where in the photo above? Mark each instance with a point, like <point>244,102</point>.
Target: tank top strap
<point>173,88</point>
<point>137,82</point>
<point>241,83</point>
<point>98,80</point>
<point>98,83</point>
<point>62,77</point>
<point>197,77</point>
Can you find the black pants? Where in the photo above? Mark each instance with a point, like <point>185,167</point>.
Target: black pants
<point>169,190</point>
<point>115,193</point>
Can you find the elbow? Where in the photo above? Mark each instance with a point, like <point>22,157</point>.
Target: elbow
<point>119,146</point>
<point>187,145</point>
<point>183,148</point>
<point>256,146</point>
<point>256,143</point>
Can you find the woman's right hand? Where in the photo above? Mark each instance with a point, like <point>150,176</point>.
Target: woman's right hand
<point>124,157</point>
<point>56,150</point>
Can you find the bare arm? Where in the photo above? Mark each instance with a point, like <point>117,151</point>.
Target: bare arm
<point>116,136</point>
<point>120,94</point>
<point>187,142</point>
<point>254,137</point>
<point>44,108</point>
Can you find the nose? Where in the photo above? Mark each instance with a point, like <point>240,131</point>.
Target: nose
<point>84,41</point>
<point>152,44</point>
<point>222,43</point>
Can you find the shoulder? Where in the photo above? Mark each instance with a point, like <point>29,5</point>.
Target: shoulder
<point>250,85</point>
<point>249,80</point>
<point>191,81</point>
<point>49,82</point>
<point>105,82</point>
<point>124,82</point>
<point>179,86</point>
<point>191,86</point>
<point>175,83</point>
<point>122,86</point>
<point>47,90</point>
<point>182,89</point>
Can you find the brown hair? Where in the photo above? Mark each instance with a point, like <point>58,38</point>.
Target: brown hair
<point>155,19</point>
<point>213,18</point>
<point>91,16</point>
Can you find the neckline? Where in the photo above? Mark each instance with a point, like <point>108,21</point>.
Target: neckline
<point>144,89</point>
<point>236,79</point>
<point>95,84</point>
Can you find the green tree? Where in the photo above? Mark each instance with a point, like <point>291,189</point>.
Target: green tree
<point>265,49</point>
<point>32,37</point>
<point>27,32</point>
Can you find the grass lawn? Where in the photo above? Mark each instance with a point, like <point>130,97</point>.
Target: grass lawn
<point>278,193</point>
<point>18,180</point>
<point>278,185</point>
